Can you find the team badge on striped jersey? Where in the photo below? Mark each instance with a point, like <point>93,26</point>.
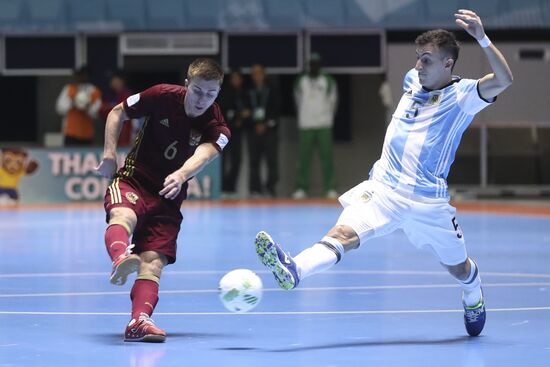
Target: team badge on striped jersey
<point>434,99</point>
<point>132,197</point>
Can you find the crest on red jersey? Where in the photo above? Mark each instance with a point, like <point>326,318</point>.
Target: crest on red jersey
<point>194,138</point>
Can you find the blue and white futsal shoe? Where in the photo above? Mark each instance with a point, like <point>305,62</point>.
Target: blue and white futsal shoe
<point>275,259</point>
<point>474,317</point>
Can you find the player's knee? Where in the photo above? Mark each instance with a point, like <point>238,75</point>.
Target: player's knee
<point>123,216</point>
<point>459,271</point>
<point>346,235</point>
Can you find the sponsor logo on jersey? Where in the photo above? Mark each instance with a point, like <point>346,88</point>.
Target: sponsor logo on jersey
<point>165,122</point>
<point>194,138</point>
<point>132,197</point>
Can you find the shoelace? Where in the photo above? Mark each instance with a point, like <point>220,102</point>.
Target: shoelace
<point>146,318</point>
<point>472,315</point>
<point>128,250</point>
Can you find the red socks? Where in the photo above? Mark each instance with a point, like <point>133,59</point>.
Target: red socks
<point>144,294</point>
<point>116,240</point>
<point>144,297</point>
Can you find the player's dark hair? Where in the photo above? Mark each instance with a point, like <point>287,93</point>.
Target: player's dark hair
<point>443,40</point>
<point>206,69</point>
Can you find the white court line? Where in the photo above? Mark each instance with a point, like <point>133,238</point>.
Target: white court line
<point>303,289</point>
<point>332,272</point>
<point>273,313</point>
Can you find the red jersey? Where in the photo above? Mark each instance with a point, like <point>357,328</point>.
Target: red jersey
<point>168,136</point>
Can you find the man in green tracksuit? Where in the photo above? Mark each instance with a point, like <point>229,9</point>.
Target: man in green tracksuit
<point>316,95</point>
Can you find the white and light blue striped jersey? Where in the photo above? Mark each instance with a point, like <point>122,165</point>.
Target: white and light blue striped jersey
<point>423,136</point>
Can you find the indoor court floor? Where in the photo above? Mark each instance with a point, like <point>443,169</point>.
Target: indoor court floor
<point>386,304</point>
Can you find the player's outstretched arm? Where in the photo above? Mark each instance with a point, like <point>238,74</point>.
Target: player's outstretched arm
<point>204,154</point>
<point>107,167</point>
<point>491,85</point>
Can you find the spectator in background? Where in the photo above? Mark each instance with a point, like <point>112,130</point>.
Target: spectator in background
<point>79,104</point>
<point>316,96</point>
<point>386,97</point>
<point>118,92</point>
<point>264,101</point>
<point>233,103</point>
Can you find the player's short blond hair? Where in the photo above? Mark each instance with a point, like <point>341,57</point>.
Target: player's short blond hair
<point>205,68</point>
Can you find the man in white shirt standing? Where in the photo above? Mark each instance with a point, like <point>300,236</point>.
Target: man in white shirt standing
<point>316,96</point>
<point>407,187</point>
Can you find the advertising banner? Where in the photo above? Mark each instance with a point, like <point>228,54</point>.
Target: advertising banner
<point>65,175</point>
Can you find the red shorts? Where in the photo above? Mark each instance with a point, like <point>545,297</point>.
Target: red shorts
<point>158,219</point>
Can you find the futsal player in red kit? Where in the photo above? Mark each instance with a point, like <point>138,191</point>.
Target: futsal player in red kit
<point>183,131</point>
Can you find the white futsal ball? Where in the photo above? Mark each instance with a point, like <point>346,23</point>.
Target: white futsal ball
<point>240,290</point>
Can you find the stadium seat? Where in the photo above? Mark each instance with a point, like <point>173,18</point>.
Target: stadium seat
<point>325,13</point>
<point>284,13</point>
<point>131,13</point>
<point>525,12</point>
<point>87,11</point>
<point>47,15</point>
<point>244,14</point>
<point>11,16</point>
<point>408,15</point>
<point>359,13</point>
<point>204,14</point>
<point>441,13</point>
<point>490,11</point>
<point>165,14</point>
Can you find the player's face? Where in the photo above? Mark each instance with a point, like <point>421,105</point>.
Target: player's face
<point>434,68</point>
<point>200,96</point>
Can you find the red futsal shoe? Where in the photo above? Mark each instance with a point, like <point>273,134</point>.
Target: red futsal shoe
<point>144,330</point>
<point>126,264</point>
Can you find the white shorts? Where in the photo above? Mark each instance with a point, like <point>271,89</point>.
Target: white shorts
<point>372,209</point>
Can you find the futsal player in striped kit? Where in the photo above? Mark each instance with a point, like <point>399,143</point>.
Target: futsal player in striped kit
<point>407,187</point>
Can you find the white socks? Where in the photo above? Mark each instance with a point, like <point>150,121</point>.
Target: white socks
<point>472,286</point>
<point>319,257</point>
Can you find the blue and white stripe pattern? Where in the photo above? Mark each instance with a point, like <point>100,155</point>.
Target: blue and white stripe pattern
<point>424,134</point>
